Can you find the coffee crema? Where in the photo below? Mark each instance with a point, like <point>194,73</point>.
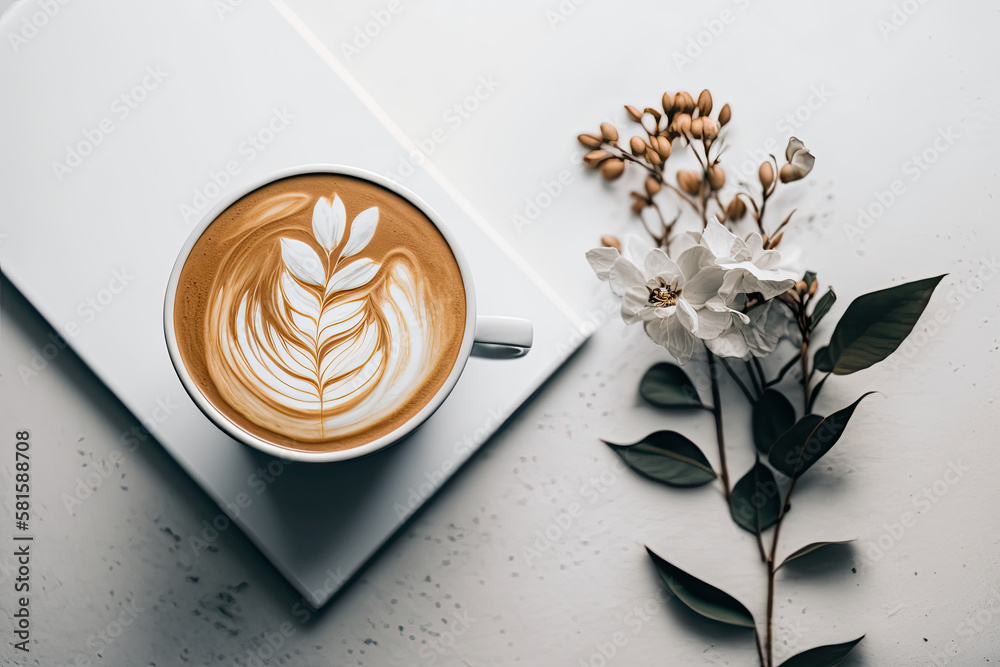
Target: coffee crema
<point>320,312</point>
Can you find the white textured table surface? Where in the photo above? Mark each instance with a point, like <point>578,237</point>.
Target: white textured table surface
<point>533,555</point>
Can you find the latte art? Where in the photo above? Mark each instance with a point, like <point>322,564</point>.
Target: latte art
<point>319,326</point>
<point>328,344</point>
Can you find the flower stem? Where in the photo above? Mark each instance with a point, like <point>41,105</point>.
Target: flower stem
<point>736,378</point>
<point>772,569</point>
<point>717,412</point>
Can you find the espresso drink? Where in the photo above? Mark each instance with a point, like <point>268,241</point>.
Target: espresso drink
<point>320,312</point>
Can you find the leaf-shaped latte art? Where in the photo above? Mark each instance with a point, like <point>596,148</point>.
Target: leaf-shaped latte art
<point>314,341</point>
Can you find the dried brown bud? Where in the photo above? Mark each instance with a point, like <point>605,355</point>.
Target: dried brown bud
<point>684,102</point>
<point>696,127</point>
<point>609,133</point>
<point>654,112</point>
<point>637,207</point>
<point>716,177</point>
<point>637,145</point>
<point>652,186</point>
<point>725,115</point>
<point>682,124</point>
<point>709,128</point>
<point>736,209</point>
<point>612,169</point>
<point>590,140</point>
<point>705,103</point>
<point>633,113</point>
<point>789,173</point>
<point>663,147</point>
<point>801,287</point>
<point>766,174</point>
<point>611,242</point>
<point>689,181</point>
<point>653,158</point>
<point>813,286</point>
<point>776,241</point>
<point>594,158</point>
<point>668,102</point>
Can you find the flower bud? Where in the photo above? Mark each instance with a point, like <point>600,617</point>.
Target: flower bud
<point>590,140</point>
<point>777,239</point>
<point>766,174</point>
<point>716,177</point>
<point>612,169</point>
<point>668,102</point>
<point>637,207</point>
<point>663,147</point>
<point>652,186</point>
<point>611,242</point>
<point>594,158</point>
<point>682,124</point>
<point>696,126</point>
<point>812,286</point>
<point>736,209</point>
<point>705,103</point>
<point>789,173</point>
<point>653,158</point>
<point>709,128</point>
<point>633,113</point>
<point>648,122</point>
<point>637,145</point>
<point>725,115</point>
<point>801,287</point>
<point>684,102</point>
<point>609,133</point>
<point>689,181</point>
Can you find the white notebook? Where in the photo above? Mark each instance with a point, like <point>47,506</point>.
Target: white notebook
<point>132,120</point>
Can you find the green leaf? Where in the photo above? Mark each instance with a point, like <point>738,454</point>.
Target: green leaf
<point>808,549</point>
<point>811,437</point>
<point>668,457</point>
<point>874,325</point>
<point>754,502</point>
<point>821,360</point>
<point>823,656</point>
<point>702,598</point>
<point>668,386</point>
<point>822,307</point>
<point>773,414</point>
<point>809,277</point>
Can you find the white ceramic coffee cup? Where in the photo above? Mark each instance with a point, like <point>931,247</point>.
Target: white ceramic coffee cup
<point>507,333</point>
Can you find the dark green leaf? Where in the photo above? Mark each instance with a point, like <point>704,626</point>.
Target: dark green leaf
<point>811,437</point>
<point>668,386</point>
<point>822,307</point>
<point>874,325</point>
<point>773,414</point>
<point>814,394</point>
<point>668,457</point>
<point>821,360</point>
<point>808,549</point>
<point>755,500</point>
<point>823,656</point>
<point>702,598</point>
<point>809,277</point>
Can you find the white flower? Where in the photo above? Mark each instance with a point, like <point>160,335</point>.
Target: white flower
<point>677,302</point>
<point>757,335</point>
<point>749,268</point>
<point>800,161</point>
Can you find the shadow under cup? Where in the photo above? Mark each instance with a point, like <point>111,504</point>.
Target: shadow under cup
<point>324,314</point>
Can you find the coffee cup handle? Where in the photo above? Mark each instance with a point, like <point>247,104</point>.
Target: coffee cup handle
<point>513,333</point>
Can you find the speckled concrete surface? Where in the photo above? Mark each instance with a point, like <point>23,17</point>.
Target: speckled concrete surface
<point>533,554</point>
